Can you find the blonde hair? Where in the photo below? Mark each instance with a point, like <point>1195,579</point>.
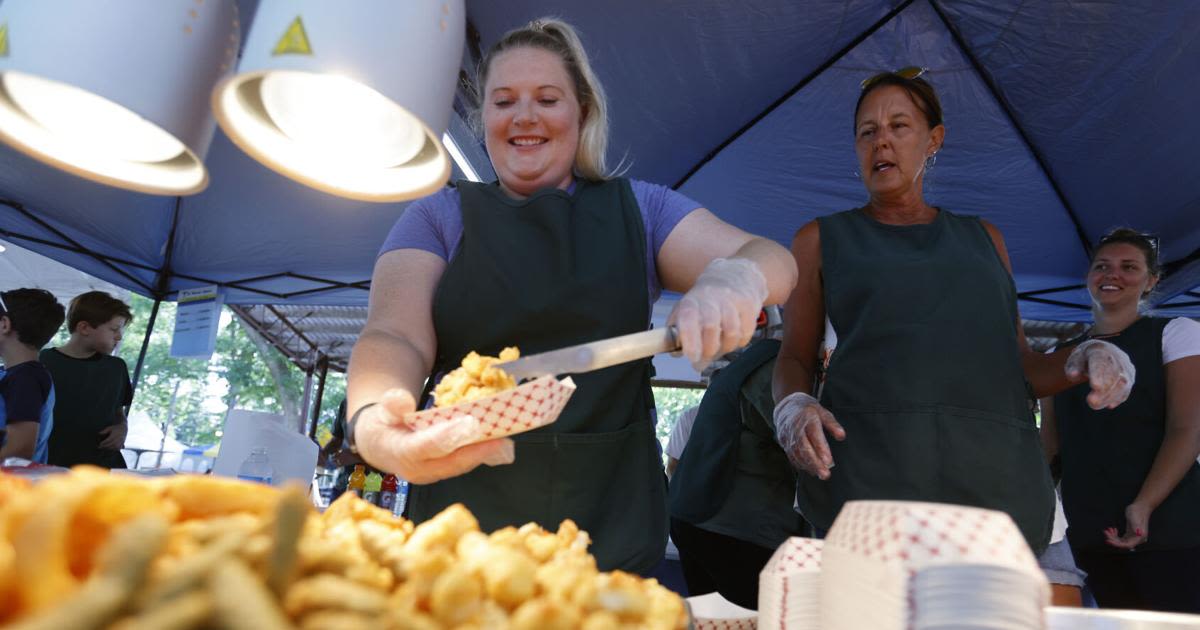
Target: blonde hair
<point>560,38</point>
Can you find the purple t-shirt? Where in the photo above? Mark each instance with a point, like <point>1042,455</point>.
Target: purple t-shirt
<point>435,224</point>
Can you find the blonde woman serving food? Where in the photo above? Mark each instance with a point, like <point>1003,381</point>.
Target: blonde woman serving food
<point>559,251</point>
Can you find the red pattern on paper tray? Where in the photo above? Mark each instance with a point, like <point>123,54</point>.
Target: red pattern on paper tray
<point>920,534</point>
<point>749,623</point>
<point>524,408</point>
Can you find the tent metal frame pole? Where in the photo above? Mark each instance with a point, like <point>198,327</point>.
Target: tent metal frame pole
<point>1025,294</point>
<point>323,366</point>
<point>141,360</point>
<point>1057,303</point>
<point>791,92</point>
<point>1007,108</point>
<point>78,247</point>
<point>162,283</point>
<point>10,235</point>
<point>306,404</point>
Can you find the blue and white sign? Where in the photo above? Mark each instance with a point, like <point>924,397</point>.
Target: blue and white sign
<point>196,323</point>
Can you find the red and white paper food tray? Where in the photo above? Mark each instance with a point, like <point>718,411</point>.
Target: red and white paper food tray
<point>876,552</point>
<point>523,408</point>
<point>789,586</point>
<point>713,612</point>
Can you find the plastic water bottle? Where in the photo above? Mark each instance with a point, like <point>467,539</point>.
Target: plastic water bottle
<point>401,498</point>
<point>257,467</point>
<point>326,478</point>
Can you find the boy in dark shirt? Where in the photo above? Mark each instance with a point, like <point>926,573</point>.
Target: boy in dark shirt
<point>28,320</point>
<point>93,386</point>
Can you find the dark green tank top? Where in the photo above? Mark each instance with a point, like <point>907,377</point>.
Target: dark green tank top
<point>926,377</point>
<point>1107,454</point>
<point>546,272</point>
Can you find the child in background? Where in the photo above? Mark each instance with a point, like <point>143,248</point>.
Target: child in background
<point>93,386</point>
<point>28,320</point>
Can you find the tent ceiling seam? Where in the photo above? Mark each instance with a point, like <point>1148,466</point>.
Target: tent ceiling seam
<point>792,91</point>
<point>1006,107</point>
<point>1005,29</point>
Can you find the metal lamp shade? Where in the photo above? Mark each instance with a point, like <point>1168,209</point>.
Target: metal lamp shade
<point>115,92</point>
<point>350,98</point>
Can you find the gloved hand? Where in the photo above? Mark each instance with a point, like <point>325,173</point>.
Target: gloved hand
<point>1107,368</point>
<point>427,455</point>
<point>800,426</point>
<point>718,314</point>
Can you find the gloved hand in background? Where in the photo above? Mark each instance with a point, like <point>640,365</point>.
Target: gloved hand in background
<point>1107,368</point>
<point>800,426</point>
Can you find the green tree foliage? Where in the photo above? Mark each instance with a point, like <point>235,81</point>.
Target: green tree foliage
<point>239,367</point>
<point>164,376</point>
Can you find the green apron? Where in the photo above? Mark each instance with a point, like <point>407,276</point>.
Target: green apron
<point>926,377</point>
<point>733,478</point>
<point>542,273</point>
<point>1107,454</point>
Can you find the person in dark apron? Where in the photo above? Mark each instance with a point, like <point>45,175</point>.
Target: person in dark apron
<point>925,394</point>
<point>557,252</point>
<point>731,496</point>
<point>1130,480</point>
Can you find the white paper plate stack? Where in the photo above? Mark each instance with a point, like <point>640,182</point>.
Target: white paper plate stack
<point>789,587</point>
<point>1090,619</point>
<point>927,566</point>
<point>713,612</point>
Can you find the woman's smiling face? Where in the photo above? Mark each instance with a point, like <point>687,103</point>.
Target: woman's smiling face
<point>532,119</point>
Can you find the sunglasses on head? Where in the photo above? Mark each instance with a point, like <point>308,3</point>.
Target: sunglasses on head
<point>1151,239</point>
<point>3,306</point>
<point>907,72</point>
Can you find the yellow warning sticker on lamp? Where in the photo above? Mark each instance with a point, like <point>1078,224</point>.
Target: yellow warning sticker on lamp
<point>294,40</point>
<point>4,40</point>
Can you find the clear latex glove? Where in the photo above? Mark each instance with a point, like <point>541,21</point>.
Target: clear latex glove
<point>1108,370</point>
<point>800,426</point>
<point>426,455</point>
<point>718,314</point>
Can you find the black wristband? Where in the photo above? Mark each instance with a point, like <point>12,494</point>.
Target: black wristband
<point>351,423</point>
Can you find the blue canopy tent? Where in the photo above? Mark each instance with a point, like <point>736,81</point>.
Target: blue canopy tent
<point>1064,119</point>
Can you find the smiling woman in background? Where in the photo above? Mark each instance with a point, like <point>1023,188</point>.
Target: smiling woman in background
<point>1130,480</point>
<point>559,251</point>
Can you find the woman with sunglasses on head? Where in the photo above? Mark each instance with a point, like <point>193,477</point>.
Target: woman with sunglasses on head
<point>925,395</point>
<point>1130,480</point>
<point>559,251</point>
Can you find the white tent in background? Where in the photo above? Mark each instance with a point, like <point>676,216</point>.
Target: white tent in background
<point>21,268</point>
<point>145,440</point>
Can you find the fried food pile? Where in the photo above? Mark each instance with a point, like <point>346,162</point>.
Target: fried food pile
<point>93,550</point>
<point>477,378</point>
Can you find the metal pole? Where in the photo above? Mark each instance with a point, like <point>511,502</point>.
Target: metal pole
<point>141,360</point>
<point>305,404</point>
<point>323,365</point>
